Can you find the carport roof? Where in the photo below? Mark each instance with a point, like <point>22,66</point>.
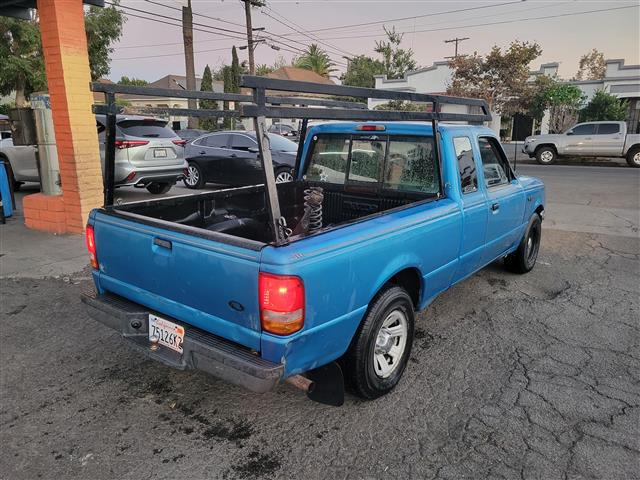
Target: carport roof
<point>20,8</point>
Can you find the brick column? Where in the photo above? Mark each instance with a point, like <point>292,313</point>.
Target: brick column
<point>64,44</point>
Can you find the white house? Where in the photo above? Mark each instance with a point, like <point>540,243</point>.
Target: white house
<point>620,80</point>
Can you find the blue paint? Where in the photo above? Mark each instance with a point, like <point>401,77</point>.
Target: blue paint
<point>444,241</point>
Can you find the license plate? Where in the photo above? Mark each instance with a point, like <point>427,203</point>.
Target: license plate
<point>169,334</point>
<point>160,152</point>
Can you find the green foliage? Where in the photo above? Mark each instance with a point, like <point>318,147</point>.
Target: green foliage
<point>263,69</point>
<point>402,106</point>
<point>361,72</point>
<point>563,100</point>
<point>22,65</point>
<point>137,82</point>
<point>592,66</point>
<point>315,59</point>
<point>604,106</point>
<point>500,77</point>
<point>103,27</point>
<point>5,107</point>
<point>396,61</point>
<point>208,123</point>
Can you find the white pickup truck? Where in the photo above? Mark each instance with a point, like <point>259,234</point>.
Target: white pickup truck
<point>590,139</point>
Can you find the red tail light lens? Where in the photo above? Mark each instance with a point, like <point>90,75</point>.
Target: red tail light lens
<point>281,303</point>
<point>122,144</point>
<point>182,143</point>
<point>91,246</point>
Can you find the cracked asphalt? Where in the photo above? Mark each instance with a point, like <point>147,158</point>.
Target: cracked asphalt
<point>523,377</point>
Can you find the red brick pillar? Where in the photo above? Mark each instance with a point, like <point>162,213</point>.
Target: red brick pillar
<point>64,43</point>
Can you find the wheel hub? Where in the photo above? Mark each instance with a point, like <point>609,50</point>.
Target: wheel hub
<point>384,342</point>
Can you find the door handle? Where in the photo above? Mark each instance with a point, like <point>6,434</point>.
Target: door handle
<point>202,152</point>
<point>163,243</point>
<point>495,207</point>
<point>233,155</point>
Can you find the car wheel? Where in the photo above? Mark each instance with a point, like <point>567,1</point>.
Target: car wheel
<point>380,349</point>
<point>194,178</point>
<point>284,175</point>
<point>633,157</point>
<point>158,188</point>
<point>524,258</point>
<point>546,155</point>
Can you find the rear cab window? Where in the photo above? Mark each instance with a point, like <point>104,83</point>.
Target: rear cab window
<point>387,162</point>
<point>146,128</point>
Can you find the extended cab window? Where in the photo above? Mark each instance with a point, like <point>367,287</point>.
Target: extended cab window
<point>466,164</point>
<point>329,159</point>
<point>608,129</point>
<point>411,165</point>
<point>494,166</point>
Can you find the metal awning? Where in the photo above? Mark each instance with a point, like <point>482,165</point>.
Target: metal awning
<point>20,8</point>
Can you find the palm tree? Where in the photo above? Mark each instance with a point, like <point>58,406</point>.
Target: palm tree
<point>315,59</point>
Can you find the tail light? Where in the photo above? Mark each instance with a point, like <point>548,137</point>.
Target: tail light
<point>91,246</point>
<point>182,143</point>
<point>122,144</point>
<point>131,176</point>
<point>281,303</point>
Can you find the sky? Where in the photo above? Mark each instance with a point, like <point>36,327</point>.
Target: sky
<point>150,49</point>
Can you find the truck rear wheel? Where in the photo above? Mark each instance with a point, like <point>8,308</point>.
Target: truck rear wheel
<point>546,155</point>
<point>524,258</point>
<point>380,350</point>
<point>633,157</point>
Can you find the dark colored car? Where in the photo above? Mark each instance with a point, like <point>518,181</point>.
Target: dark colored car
<point>190,134</point>
<point>284,130</point>
<point>231,158</point>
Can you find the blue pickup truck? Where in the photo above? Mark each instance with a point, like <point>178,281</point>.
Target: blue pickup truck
<point>387,232</point>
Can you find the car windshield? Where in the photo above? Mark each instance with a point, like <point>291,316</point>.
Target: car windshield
<point>279,143</point>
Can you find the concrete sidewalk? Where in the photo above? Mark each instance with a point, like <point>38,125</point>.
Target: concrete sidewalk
<point>28,253</point>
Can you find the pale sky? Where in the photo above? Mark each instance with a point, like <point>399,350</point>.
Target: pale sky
<point>146,46</point>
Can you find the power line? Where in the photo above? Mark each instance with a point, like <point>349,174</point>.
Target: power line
<point>492,23</point>
<point>170,54</point>
<point>217,19</point>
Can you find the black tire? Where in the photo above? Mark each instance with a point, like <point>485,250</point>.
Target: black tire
<point>158,188</point>
<point>360,370</point>
<point>194,170</point>
<point>633,157</point>
<point>546,155</point>
<point>524,258</point>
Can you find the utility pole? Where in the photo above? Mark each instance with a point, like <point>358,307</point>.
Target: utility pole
<point>187,37</point>
<point>456,41</point>
<point>250,46</point>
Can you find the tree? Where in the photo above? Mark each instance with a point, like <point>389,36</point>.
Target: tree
<point>21,58</point>
<point>208,123</point>
<point>315,59</point>
<point>263,69</point>
<point>564,101</point>
<point>592,66</point>
<point>500,78</point>
<point>21,54</point>
<point>402,106</point>
<point>361,71</point>
<point>396,61</point>
<point>604,106</point>
<point>137,82</point>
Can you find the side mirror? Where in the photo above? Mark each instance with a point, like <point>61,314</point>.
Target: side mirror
<point>570,132</point>
<point>253,150</point>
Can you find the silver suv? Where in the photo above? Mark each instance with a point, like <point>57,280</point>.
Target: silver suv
<point>148,154</point>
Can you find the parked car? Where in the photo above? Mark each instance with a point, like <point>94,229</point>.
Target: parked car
<point>190,133</point>
<point>231,158</point>
<point>590,139</point>
<point>148,154</point>
<point>204,285</point>
<point>284,130</point>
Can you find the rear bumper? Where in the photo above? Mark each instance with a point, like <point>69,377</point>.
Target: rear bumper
<point>146,175</point>
<point>202,351</point>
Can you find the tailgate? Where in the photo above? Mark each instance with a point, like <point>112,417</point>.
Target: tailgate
<point>205,283</point>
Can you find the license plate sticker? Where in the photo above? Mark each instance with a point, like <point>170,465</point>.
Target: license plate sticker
<point>160,152</point>
<point>168,333</point>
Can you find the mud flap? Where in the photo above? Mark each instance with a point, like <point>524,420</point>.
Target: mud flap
<point>328,385</point>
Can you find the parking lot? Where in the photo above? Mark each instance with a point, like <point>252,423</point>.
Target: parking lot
<point>534,376</point>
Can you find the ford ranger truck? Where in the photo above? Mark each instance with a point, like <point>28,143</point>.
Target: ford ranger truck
<point>377,228</point>
<point>590,139</point>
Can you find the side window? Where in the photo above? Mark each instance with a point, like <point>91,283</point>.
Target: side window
<point>411,165</point>
<point>101,132</point>
<point>608,128</point>
<point>367,157</point>
<point>494,166</point>
<point>466,164</point>
<point>217,141</point>
<point>329,159</point>
<point>242,142</point>
<point>585,129</point>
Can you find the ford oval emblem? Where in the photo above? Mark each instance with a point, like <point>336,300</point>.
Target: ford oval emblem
<point>237,306</point>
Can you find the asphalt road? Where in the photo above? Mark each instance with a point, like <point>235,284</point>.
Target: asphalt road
<point>534,376</point>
